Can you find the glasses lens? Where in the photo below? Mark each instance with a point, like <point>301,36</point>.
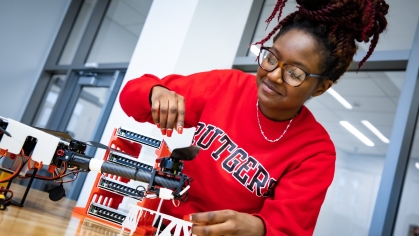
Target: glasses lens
<point>267,60</point>
<point>293,75</point>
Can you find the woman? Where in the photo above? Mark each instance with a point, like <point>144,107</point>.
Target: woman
<point>265,163</point>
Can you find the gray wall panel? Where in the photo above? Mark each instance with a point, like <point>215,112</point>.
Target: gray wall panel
<point>28,29</point>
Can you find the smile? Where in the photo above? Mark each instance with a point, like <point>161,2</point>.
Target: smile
<point>268,88</point>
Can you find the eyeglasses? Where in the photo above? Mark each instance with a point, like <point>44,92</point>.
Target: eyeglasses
<point>291,74</point>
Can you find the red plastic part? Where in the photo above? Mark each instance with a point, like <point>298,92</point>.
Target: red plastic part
<point>51,168</point>
<point>145,224</point>
<point>4,152</point>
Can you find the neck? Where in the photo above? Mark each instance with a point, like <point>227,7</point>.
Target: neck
<point>279,115</point>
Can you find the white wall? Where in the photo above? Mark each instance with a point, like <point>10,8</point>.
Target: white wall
<point>350,200</point>
<point>28,29</point>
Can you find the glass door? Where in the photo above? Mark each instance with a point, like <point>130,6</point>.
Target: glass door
<point>96,94</point>
<point>82,110</point>
<point>87,105</point>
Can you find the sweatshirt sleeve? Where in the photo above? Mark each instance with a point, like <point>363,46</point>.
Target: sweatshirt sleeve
<point>298,197</point>
<point>196,89</point>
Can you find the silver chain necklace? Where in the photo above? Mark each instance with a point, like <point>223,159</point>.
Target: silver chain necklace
<point>260,126</point>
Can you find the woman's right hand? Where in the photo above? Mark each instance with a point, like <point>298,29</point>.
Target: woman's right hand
<point>167,110</point>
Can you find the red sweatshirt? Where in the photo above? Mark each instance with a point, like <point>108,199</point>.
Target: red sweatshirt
<point>284,183</point>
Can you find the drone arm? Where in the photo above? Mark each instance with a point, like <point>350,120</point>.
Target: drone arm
<point>87,163</point>
<point>137,174</point>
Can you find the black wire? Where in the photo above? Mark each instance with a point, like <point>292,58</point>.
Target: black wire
<point>140,193</point>
<point>5,191</point>
<point>51,179</point>
<point>16,171</point>
<point>185,196</point>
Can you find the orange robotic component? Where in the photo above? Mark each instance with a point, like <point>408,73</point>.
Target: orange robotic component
<point>109,191</point>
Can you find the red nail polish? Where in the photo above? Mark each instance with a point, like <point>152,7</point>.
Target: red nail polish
<point>158,125</point>
<point>180,129</point>
<point>169,132</point>
<point>187,217</point>
<point>163,131</point>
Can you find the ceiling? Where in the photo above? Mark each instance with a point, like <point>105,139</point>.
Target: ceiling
<point>373,95</point>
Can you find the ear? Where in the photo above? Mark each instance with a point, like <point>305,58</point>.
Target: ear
<point>322,87</point>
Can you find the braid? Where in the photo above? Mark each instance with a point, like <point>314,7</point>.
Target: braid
<point>335,25</point>
<point>379,13</point>
<point>280,4</point>
<point>274,11</point>
<point>285,21</point>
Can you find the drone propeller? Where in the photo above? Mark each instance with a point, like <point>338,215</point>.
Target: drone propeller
<point>187,153</point>
<point>68,137</point>
<point>103,146</point>
<point>99,145</point>
<point>5,132</point>
<point>58,134</point>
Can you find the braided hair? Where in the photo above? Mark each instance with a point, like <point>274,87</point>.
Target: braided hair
<point>335,25</point>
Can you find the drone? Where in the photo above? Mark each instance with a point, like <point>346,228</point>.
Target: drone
<point>31,148</point>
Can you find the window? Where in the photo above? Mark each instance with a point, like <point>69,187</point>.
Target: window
<point>119,32</point>
<point>372,99</point>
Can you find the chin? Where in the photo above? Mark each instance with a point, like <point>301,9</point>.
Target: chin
<point>267,101</point>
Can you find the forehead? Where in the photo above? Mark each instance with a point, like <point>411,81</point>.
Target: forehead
<point>299,48</point>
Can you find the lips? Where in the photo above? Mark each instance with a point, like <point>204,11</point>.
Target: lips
<point>270,89</point>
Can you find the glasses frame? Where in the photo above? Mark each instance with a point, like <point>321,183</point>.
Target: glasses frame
<point>281,65</point>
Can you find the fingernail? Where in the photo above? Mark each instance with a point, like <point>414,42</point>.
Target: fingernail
<point>180,129</point>
<point>169,132</point>
<point>158,125</point>
<point>163,131</point>
<point>187,217</point>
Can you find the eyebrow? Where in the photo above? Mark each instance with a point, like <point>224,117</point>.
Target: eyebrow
<point>295,63</point>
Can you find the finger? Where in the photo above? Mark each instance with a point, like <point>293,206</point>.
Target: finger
<point>180,114</point>
<point>172,115</point>
<point>155,107</point>
<point>164,106</point>
<point>225,228</point>
<point>212,217</point>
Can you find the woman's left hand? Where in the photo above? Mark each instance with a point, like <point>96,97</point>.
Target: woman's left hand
<point>226,222</point>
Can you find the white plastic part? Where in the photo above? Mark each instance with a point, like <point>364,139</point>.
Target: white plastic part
<point>45,146</point>
<point>165,194</point>
<point>147,155</point>
<point>176,225</point>
<point>132,219</point>
<point>95,165</point>
<point>158,210</point>
<point>184,190</point>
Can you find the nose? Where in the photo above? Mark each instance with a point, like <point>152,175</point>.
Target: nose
<point>276,75</point>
